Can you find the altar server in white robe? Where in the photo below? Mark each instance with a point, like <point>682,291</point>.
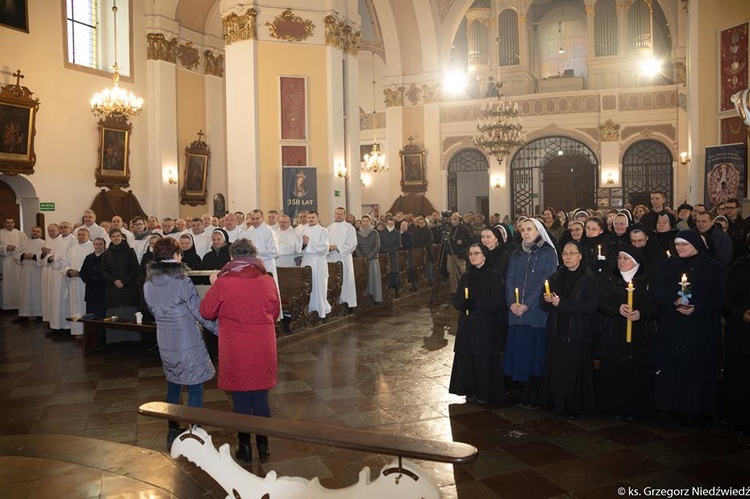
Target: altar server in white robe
<point>71,266</point>
<point>342,241</point>
<point>58,294</point>
<point>272,220</point>
<point>290,243</point>
<point>266,243</point>
<point>201,237</point>
<point>53,234</point>
<point>89,222</point>
<point>233,230</point>
<point>315,244</point>
<point>118,223</point>
<point>301,226</point>
<point>30,286</point>
<point>11,240</point>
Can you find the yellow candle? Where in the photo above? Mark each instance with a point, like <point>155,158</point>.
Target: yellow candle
<point>629,329</point>
<point>466,295</point>
<point>546,287</point>
<point>518,302</point>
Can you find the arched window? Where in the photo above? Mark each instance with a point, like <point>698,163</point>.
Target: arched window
<point>646,167</point>
<point>553,171</point>
<point>605,28</point>
<point>475,164</point>
<point>641,20</point>
<point>508,38</point>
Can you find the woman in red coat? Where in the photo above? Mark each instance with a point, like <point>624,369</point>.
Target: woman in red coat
<point>245,300</point>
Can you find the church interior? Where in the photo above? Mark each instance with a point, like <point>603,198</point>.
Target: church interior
<point>372,105</point>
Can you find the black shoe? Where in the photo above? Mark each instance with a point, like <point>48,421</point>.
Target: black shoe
<point>172,436</point>
<point>244,452</point>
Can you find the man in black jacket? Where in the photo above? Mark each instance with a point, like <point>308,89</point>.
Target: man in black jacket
<point>719,242</point>
<point>460,239</point>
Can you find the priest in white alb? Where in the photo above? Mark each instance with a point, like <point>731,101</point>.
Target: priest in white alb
<point>89,222</point>
<point>342,241</point>
<point>71,266</point>
<point>290,243</point>
<point>11,240</point>
<point>265,243</point>
<point>315,249</point>
<point>30,286</point>
<point>57,306</point>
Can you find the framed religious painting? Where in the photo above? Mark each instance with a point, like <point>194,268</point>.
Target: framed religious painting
<point>194,188</point>
<point>113,168</point>
<point>413,177</point>
<point>17,128</point>
<point>14,14</point>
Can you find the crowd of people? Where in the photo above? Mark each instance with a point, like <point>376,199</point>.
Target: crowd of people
<point>640,313</point>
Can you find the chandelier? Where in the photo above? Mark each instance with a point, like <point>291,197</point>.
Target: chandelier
<point>116,103</point>
<point>374,161</point>
<point>500,128</point>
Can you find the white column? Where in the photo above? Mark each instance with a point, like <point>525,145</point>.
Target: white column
<point>216,138</point>
<point>243,172</point>
<point>336,146</point>
<point>500,196</point>
<point>698,157</point>
<point>394,130</point>
<point>162,138</point>
<point>352,153</point>
<point>433,157</point>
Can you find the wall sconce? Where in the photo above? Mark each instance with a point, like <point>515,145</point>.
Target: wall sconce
<point>341,171</point>
<point>610,179</point>
<point>497,182</point>
<point>171,179</point>
<point>684,158</point>
<point>366,180</point>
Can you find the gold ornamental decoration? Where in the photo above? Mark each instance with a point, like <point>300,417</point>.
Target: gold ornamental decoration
<point>609,131</point>
<point>214,64</point>
<point>161,49</point>
<point>239,27</point>
<point>188,55</point>
<point>290,27</point>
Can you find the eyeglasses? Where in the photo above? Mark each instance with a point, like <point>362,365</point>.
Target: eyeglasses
<point>570,253</point>
<point>731,207</point>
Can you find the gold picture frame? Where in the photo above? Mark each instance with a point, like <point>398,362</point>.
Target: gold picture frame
<point>413,178</point>
<point>113,166</point>
<point>197,158</point>
<point>17,128</point>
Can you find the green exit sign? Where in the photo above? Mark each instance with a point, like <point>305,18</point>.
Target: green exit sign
<point>46,206</point>
<point>337,194</point>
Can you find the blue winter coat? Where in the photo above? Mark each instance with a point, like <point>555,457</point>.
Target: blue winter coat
<point>527,272</point>
<point>172,299</point>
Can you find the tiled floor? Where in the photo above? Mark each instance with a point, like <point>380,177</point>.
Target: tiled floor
<point>387,372</point>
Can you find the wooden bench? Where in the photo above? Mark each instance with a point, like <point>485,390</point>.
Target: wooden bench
<point>92,328</point>
<point>295,286</point>
<point>335,281</point>
<point>385,270</point>
<point>361,276</point>
<point>344,438</point>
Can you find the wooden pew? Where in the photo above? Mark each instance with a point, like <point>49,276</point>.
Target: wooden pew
<point>404,286</point>
<point>335,280</point>
<point>295,286</point>
<point>385,269</point>
<point>361,275</point>
<point>92,328</point>
<point>418,264</point>
<point>344,438</point>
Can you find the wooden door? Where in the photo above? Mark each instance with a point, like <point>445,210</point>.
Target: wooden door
<point>569,182</point>
<point>8,204</point>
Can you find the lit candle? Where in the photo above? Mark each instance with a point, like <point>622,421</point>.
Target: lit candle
<point>546,287</point>
<point>629,329</point>
<point>518,302</point>
<point>466,295</point>
<point>684,281</point>
<point>669,255</point>
<point>599,250</point>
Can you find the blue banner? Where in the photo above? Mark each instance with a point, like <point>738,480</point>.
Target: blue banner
<point>299,186</point>
<point>726,174</point>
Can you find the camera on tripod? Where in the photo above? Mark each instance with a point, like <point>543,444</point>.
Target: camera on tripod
<point>445,224</point>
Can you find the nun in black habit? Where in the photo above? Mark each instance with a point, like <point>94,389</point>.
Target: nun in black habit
<point>689,340</point>
<point>626,372</point>
<point>480,299</point>
<point>571,317</point>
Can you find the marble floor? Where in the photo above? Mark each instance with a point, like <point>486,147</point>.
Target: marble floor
<point>69,425</point>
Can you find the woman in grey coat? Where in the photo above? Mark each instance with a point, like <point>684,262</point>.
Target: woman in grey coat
<point>368,245</point>
<point>172,299</point>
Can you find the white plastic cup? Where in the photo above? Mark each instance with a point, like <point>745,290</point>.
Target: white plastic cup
<point>138,318</point>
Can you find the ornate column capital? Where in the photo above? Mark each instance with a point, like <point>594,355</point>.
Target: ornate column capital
<point>213,64</point>
<point>160,49</point>
<point>239,27</point>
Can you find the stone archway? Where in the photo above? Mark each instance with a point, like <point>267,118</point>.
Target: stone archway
<point>21,192</point>
<point>468,184</point>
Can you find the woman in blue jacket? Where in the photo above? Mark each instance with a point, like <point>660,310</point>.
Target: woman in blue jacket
<point>530,265</point>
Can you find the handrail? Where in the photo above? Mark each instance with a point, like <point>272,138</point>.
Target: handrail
<point>344,438</point>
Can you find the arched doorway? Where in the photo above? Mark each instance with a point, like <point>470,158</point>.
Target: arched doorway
<point>646,167</point>
<point>553,171</point>
<point>468,186</point>
<point>9,204</point>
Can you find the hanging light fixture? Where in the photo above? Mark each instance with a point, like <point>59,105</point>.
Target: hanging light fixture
<point>116,103</point>
<point>374,161</point>
<point>500,128</point>
<point>559,35</point>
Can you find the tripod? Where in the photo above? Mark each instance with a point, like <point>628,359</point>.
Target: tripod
<point>445,242</point>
